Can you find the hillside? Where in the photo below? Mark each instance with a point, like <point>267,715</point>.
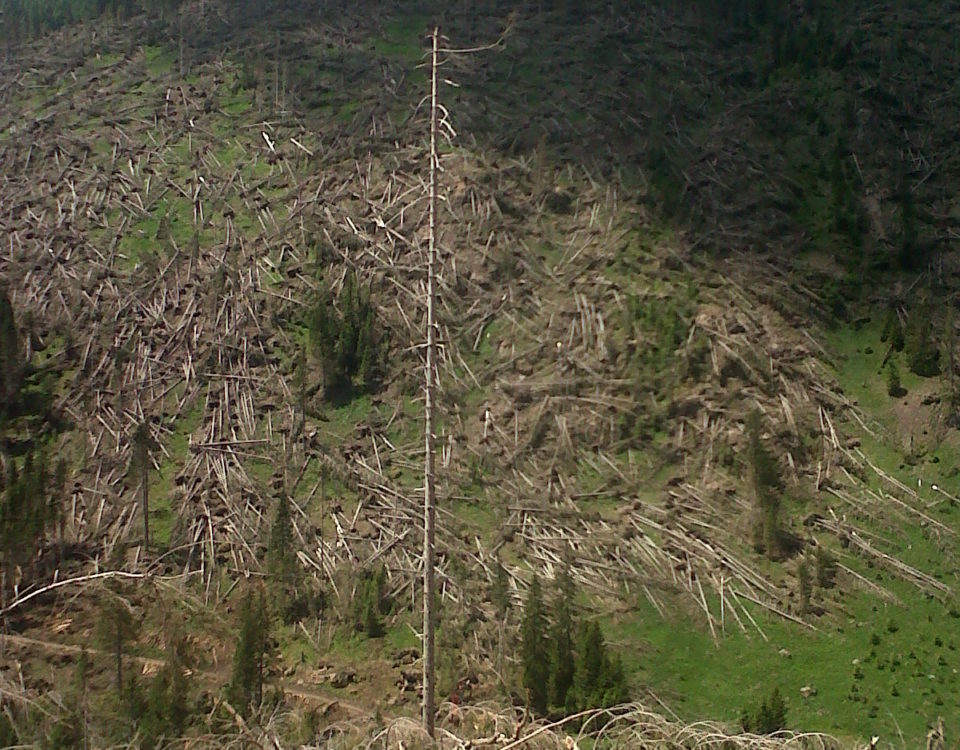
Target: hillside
<point>676,243</point>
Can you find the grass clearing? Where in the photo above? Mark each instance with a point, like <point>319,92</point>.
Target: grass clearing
<point>890,665</point>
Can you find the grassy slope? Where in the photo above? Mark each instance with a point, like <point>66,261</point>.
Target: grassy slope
<point>904,678</point>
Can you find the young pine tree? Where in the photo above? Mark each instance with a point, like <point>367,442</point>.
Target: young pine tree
<point>894,388</point>
<point>500,593</point>
<point>803,585</point>
<point>767,485</point>
<point>769,717</point>
<point>11,356</point>
<point>245,691</point>
<point>562,667</point>
<point>600,681</point>
<point>166,708</point>
<point>923,354</point>
<point>534,650</point>
<point>281,559</point>
<point>826,567</point>
<point>116,626</point>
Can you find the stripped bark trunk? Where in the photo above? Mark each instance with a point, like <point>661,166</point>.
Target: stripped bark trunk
<point>429,511</point>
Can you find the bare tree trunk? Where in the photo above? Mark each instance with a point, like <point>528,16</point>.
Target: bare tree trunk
<point>323,499</point>
<point>119,653</point>
<point>145,504</point>
<point>181,44</point>
<point>429,512</point>
<point>3,608</point>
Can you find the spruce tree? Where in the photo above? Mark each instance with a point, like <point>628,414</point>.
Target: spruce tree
<point>25,512</point>
<point>769,717</point>
<point>766,484</point>
<point>115,627</point>
<point>500,594</point>
<point>803,584</point>
<point>166,708</point>
<point>599,680</point>
<point>894,388</point>
<point>245,691</point>
<point>561,642</point>
<point>826,567</point>
<point>11,357</point>
<point>281,559</point>
<point>534,650</point>
<point>590,657</point>
<point>8,732</point>
<point>923,355</point>
<point>369,604</point>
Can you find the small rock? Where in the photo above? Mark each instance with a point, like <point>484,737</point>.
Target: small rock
<point>343,678</point>
<point>785,653</point>
<point>808,691</point>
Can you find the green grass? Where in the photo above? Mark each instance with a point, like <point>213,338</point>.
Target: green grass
<point>356,647</point>
<point>680,663</point>
<point>403,38</point>
<point>162,516</point>
<point>907,669</point>
<point>159,60</point>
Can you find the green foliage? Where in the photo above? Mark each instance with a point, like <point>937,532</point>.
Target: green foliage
<point>500,595</point>
<point>27,507</point>
<point>849,219</point>
<point>348,344</point>
<point>767,486</point>
<point>554,674</point>
<point>894,387</point>
<point>167,706</point>
<point>281,560</point>
<point>140,464</point>
<point>893,331</point>
<point>562,666</point>
<point>28,18</point>
<point>115,627</point>
<point>8,732</point>
<point>600,681</point>
<point>825,566</point>
<point>769,717</point>
<point>923,354</point>
<point>658,326</point>
<point>370,603</point>
<point>245,690</point>
<point>65,734</point>
<point>534,650</point>
<point>910,255</point>
<point>11,357</point>
<point>804,584</point>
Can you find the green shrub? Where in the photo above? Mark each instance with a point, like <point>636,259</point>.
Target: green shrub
<point>370,603</point>
<point>347,343</point>
<point>894,388</point>
<point>245,690</point>
<point>923,354</point>
<point>826,567</point>
<point>769,717</point>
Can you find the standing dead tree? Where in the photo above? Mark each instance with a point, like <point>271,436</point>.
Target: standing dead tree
<point>429,484</point>
<point>429,512</point>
